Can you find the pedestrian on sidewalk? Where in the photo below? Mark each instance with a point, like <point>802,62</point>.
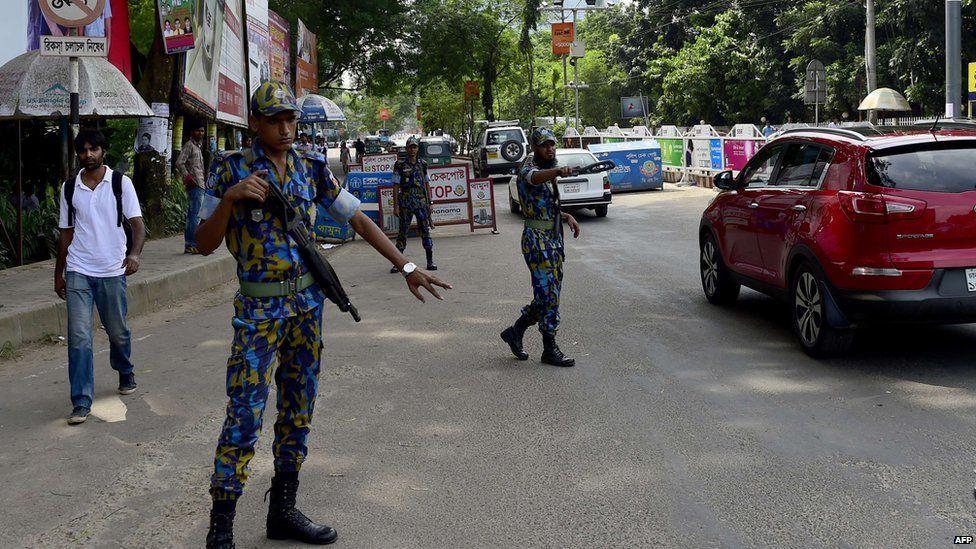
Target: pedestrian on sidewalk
<point>542,248</point>
<point>92,266</point>
<point>360,147</point>
<point>413,200</point>
<point>344,156</point>
<point>278,311</point>
<point>189,166</point>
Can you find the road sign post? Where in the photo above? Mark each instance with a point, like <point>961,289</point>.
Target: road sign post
<point>815,87</point>
<point>73,14</point>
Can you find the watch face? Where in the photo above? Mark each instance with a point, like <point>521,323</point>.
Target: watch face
<point>409,268</point>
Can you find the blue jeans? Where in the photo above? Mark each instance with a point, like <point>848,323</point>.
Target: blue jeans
<point>108,294</point>
<point>194,196</point>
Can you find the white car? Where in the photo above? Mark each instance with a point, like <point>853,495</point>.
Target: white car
<point>499,149</point>
<point>590,191</point>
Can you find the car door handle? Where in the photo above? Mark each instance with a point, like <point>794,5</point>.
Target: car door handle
<point>753,205</point>
<point>799,208</point>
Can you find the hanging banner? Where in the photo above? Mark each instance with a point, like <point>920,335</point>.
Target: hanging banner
<point>279,48</point>
<point>671,151</point>
<point>563,35</point>
<point>175,20</point>
<point>203,62</point>
<point>231,100</point>
<point>638,164</point>
<point>258,46</point>
<point>739,151</point>
<point>306,62</point>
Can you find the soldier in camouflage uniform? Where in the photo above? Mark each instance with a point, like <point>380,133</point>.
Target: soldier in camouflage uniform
<point>413,200</point>
<point>542,247</point>
<point>278,311</point>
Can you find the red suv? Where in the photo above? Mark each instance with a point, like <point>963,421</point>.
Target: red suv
<point>850,226</point>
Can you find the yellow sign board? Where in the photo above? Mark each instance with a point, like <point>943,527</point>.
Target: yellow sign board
<point>972,77</point>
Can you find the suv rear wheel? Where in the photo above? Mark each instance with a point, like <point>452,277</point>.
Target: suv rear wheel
<point>808,306</point>
<point>720,288</point>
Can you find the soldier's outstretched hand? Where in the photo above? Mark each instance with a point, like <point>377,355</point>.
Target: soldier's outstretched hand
<point>422,279</point>
<point>573,224</point>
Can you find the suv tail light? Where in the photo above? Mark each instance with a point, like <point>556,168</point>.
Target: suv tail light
<point>606,183</point>
<point>879,208</point>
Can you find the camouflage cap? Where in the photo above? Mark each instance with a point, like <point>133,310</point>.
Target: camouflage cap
<point>273,97</point>
<point>412,140</point>
<point>541,136</point>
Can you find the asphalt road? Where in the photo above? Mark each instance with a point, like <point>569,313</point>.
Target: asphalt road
<point>683,424</point>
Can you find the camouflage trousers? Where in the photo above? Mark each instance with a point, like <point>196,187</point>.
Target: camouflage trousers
<point>295,343</point>
<point>543,253</point>
<point>407,213</point>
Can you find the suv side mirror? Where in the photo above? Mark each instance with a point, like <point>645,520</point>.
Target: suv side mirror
<point>725,180</point>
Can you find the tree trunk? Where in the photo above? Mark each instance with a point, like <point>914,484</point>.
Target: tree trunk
<point>489,74</point>
<point>150,169</point>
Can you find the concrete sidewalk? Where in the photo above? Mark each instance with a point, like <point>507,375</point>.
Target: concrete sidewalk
<point>30,310</point>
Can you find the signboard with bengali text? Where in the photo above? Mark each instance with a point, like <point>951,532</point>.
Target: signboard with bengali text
<point>373,163</point>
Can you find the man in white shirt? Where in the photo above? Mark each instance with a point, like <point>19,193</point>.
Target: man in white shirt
<point>92,264</point>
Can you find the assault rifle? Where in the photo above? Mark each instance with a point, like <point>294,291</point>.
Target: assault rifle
<point>323,273</point>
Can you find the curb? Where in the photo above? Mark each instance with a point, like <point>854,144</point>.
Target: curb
<point>146,295</point>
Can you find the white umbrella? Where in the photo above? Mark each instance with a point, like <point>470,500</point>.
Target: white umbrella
<point>32,86</point>
<point>884,99</point>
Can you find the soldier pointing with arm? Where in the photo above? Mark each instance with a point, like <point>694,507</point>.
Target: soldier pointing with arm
<point>542,248</point>
<point>278,311</point>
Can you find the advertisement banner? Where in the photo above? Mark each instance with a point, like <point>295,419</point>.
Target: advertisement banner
<point>563,35</point>
<point>638,165</point>
<point>388,222</point>
<point>633,107</point>
<point>482,202</point>
<point>203,62</point>
<point>704,154</point>
<point>176,22</point>
<point>258,45</point>
<point>306,62</point>
<point>373,163</point>
<point>153,132</point>
<point>448,182</point>
<point>450,213</point>
<point>739,151</point>
<point>231,100</point>
<point>671,152</point>
<point>279,48</point>
<point>364,186</point>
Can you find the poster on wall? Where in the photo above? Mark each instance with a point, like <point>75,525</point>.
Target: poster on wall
<point>231,101</point>
<point>258,46</point>
<point>26,23</point>
<point>306,62</point>
<point>671,151</point>
<point>203,62</point>
<point>279,48</point>
<point>176,22</point>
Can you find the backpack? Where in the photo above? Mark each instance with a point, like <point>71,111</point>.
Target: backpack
<point>121,221</point>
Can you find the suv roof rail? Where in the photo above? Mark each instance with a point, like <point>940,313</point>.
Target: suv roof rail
<point>498,123</point>
<point>840,132</point>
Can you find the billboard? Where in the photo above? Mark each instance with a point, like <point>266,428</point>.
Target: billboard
<point>176,22</point>
<point>563,35</point>
<point>279,48</point>
<point>231,78</point>
<point>203,61</point>
<point>306,62</point>
<point>258,45</point>
<point>633,107</point>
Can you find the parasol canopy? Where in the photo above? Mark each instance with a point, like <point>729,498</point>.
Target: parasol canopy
<point>32,86</point>
<point>316,108</point>
<point>884,99</point>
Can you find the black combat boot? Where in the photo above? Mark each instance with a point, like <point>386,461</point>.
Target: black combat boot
<point>221,534</point>
<point>551,353</point>
<point>430,261</point>
<point>287,522</point>
<point>513,336</point>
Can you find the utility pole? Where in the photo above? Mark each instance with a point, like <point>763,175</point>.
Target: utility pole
<point>953,93</point>
<point>871,56</point>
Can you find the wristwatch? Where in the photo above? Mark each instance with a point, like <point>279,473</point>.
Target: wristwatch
<point>408,269</point>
